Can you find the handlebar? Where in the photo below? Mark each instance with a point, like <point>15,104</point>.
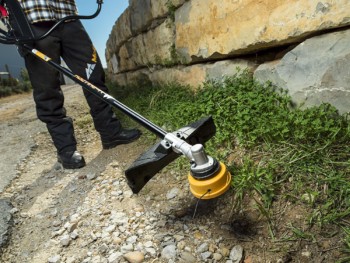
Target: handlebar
<point>6,39</point>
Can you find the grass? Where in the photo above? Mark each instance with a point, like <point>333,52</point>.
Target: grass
<point>276,152</point>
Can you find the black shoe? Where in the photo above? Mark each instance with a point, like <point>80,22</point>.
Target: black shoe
<point>123,137</point>
<point>71,160</point>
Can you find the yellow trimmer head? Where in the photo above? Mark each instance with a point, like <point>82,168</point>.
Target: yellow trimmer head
<point>213,186</point>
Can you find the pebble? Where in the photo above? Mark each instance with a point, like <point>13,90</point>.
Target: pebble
<point>203,247</point>
<point>236,254</point>
<point>306,254</point>
<point>206,255</point>
<point>134,257</point>
<point>91,176</point>
<point>188,257</point>
<point>115,257</point>
<point>217,256</point>
<point>126,248</point>
<point>172,193</point>
<point>54,259</point>
<point>169,252</point>
<point>74,235</point>
<point>65,240</point>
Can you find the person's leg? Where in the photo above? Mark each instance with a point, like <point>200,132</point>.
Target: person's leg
<point>81,57</point>
<point>49,98</point>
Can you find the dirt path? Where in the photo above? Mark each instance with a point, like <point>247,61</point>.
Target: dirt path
<point>18,125</point>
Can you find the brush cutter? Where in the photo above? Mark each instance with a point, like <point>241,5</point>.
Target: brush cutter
<point>208,178</point>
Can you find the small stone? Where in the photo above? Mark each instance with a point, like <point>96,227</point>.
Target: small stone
<point>181,245</point>
<point>217,256</point>
<point>91,176</point>
<point>71,260</point>
<point>65,240</point>
<point>236,254</point>
<point>14,210</point>
<point>75,218</point>
<point>117,240</point>
<point>54,259</point>
<point>74,235</point>
<point>70,226</point>
<point>224,251</point>
<point>151,251</point>
<point>203,248</point>
<point>206,255</point>
<point>114,257</point>
<point>132,240</point>
<point>172,193</point>
<point>110,229</point>
<point>169,252</point>
<point>127,248</point>
<point>306,254</point>
<point>134,257</point>
<point>188,257</point>
<point>103,249</point>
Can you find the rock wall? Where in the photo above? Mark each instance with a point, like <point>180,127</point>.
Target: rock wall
<point>300,45</point>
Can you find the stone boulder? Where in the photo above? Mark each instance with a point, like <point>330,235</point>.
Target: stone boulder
<point>215,29</point>
<point>314,72</point>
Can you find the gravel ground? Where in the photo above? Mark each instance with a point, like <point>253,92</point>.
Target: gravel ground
<point>91,215</point>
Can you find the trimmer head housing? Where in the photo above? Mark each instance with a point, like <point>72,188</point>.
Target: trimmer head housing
<point>213,186</point>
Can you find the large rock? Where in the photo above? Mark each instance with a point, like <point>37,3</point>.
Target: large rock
<point>136,21</point>
<point>121,33</point>
<point>315,71</point>
<point>153,47</point>
<point>213,29</point>
<point>144,13</point>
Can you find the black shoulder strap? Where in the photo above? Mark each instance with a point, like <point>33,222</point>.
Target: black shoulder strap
<point>18,20</point>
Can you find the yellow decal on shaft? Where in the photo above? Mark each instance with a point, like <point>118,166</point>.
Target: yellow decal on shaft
<point>103,94</point>
<point>41,55</point>
<point>94,55</point>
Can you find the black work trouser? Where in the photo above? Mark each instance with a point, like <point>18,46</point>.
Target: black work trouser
<point>71,42</point>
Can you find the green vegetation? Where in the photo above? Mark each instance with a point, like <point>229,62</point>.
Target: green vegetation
<point>277,153</point>
<point>175,59</point>
<point>10,86</point>
<point>171,8</point>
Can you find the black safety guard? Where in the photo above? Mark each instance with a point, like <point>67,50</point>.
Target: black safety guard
<point>159,156</point>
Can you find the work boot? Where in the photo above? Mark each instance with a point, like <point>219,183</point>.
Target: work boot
<point>71,160</point>
<point>123,137</point>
